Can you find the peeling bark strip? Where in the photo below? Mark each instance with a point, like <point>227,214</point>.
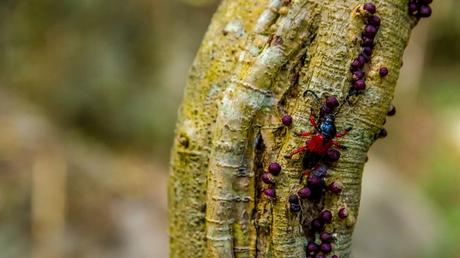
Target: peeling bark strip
<point>257,60</point>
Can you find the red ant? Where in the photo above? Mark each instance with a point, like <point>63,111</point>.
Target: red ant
<point>322,140</point>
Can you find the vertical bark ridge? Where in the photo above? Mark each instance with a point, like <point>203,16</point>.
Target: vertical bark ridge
<point>208,77</point>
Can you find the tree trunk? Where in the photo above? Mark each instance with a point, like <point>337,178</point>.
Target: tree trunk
<point>258,61</point>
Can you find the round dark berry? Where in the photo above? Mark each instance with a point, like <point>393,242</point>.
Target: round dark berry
<point>370,31</point>
<point>304,193</point>
<point>326,237</point>
<point>343,213</point>
<point>356,65</point>
<point>424,11</point>
<point>324,109</point>
<point>426,1</point>
<point>374,20</point>
<point>367,51</point>
<point>326,216</point>
<point>333,155</point>
<point>293,199</point>
<point>332,102</point>
<point>383,71</point>
<point>365,57</point>
<point>383,133</point>
<point>370,8</point>
<point>270,193</point>
<point>312,248</point>
<point>320,256</point>
<point>295,207</point>
<point>412,8</point>
<point>391,111</point>
<point>334,256</point>
<point>362,59</point>
<point>325,248</point>
<point>357,75</point>
<point>287,120</point>
<point>360,85</point>
<point>314,181</point>
<point>336,187</point>
<point>268,178</point>
<point>317,225</point>
<point>274,168</point>
<point>367,42</point>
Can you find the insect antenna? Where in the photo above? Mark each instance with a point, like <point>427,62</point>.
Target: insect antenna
<point>314,95</point>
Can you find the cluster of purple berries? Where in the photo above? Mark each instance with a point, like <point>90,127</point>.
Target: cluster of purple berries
<point>420,8</point>
<point>367,44</point>
<point>323,245</point>
<point>268,178</point>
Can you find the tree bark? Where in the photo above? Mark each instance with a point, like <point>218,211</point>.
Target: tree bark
<point>256,62</point>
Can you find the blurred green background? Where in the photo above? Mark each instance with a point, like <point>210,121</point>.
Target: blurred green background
<point>89,91</point>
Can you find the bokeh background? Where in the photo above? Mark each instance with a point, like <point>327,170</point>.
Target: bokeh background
<point>89,91</point>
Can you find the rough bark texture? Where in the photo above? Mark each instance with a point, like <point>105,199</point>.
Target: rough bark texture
<point>256,61</point>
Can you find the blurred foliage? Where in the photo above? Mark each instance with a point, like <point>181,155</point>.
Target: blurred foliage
<point>97,66</point>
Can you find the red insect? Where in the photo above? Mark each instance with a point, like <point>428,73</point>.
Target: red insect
<point>322,140</point>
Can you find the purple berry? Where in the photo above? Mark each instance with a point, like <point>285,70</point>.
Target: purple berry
<point>383,133</point>
<point>343,213</point>
<point>374,20</point>
<point>304,193</point>
<point>360,85</point>
<point>412,7</point>
<point>370,8</point>
<point>332,102</point>
<point>317,225</point>
<point>287,120</point>
<point>355,65</point>
<point>268,178</point>
<point>357,75</point>
<point>326,216</point>
<point>294,207</point>
<point>293,199</point>
<point>324,109</point>
<point>320,256</point>
<point>370,31</point>
<point>367,51</point>
<point>367,42</point>
<point>326,237</point>
<point>325,247</point>
<point>424,11</point>
<point>383,71</point>
<point>270,193</point>
<point>426,1</point>
<point>362,59</point>
<point>336,187</point>
<point>333,155</point>
<point>274,168</point>
<point>391,111</point>
<point>334,256</point>
<point>312,248</point>
<point>314,181</point>
<point>365,57</point>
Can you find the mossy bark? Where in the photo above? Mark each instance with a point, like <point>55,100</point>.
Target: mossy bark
<point>256,61</point>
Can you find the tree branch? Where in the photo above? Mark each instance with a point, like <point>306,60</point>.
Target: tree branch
<point>255,64</point>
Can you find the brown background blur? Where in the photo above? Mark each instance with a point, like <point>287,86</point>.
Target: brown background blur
<point>89,91</point>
